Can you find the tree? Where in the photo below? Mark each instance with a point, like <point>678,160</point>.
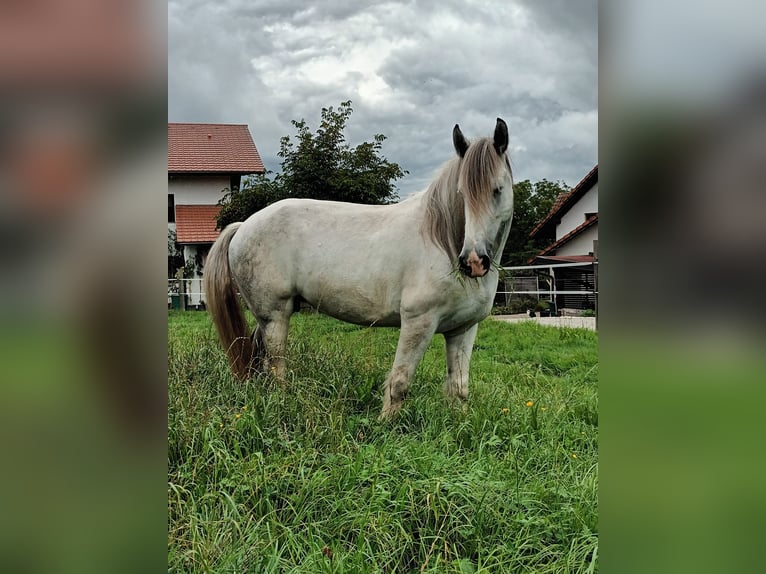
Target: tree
<point>319,165</point>
<point>257,192</point>
<point>531,203</point>
<point>324,166</point>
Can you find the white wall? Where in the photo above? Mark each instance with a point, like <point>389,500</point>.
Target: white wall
<point>193,287</point>
<point>198,190</point>
<point>575,217</point>
<point>580,245</point>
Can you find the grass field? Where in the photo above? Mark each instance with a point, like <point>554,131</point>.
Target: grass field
<point>307,480</point>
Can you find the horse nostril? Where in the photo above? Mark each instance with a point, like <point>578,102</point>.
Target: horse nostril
<point>485,262</point>
<point>465,269</point>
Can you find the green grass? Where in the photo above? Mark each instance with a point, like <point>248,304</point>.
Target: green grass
<point>262,479</point>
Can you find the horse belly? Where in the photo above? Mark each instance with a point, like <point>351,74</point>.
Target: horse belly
<point>350,299</point>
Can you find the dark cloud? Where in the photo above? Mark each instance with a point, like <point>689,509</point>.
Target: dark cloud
<point>577,19</point>
<point>412,70</point>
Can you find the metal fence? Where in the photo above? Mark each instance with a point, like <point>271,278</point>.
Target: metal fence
<point>185,294</point>
<point>562,286</point>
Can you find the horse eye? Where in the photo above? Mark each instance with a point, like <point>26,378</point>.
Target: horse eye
<point>496,191</point>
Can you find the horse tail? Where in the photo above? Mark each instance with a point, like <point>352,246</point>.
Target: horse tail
<point>223,304</point>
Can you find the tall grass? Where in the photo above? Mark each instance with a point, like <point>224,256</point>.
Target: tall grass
<point>305,479</point>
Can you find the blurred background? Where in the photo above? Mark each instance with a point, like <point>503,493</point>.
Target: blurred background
<point>83,288</point>
<point>82,321</point>
<point>682,330</point>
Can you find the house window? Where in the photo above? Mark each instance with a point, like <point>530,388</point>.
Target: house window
<point>171,208</point>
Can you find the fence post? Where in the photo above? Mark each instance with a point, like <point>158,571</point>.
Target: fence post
<point>537,286</point>
<point>181,288</point>
<point>595,277</point>
<point>553,294</point>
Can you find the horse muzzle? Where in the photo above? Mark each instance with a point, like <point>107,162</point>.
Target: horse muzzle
<point>474,265</point>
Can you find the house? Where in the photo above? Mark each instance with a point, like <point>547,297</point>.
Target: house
<point>204,161</point>
<point>571,231</point>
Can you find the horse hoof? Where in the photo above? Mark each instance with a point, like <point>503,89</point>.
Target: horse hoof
<point>389,412</point>
<point>458,402</point>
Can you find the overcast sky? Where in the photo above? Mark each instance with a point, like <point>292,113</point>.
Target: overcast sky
<point>411,69</point>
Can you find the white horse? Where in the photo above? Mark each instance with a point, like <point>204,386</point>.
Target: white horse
<point>423,265</point>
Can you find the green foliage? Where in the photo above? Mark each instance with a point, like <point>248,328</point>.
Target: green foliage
<point>516,304</point>
<point>305,479</point>
<point>322,165</point>
<point>531,203</point>
<point>319,165</point>
<point>257,192</point>
<point>173,247</point>
<point>189,269</point>
<point>175,255</point>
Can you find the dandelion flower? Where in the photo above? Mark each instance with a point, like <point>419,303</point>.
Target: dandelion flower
<point>530,403</point>
<point>504,410</point>
<point>237,415</point>
<point>574,455</point>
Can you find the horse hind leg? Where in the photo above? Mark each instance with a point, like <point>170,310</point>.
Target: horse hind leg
<point>275,347</point>
<point>273,332</point>
<point>257,346</point>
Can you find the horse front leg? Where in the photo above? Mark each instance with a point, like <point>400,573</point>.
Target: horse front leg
<point>414,338</point>
<point>459,349</point>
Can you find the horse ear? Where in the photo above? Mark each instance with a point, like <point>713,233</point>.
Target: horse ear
<point>458,140</point>
<point>501,137</point>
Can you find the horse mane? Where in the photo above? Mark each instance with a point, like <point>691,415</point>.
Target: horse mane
<point>444,221</point>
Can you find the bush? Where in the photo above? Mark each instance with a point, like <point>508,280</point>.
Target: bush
<point>516,304</point>
<point>503,310</point>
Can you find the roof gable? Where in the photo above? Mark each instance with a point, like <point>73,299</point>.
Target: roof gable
<point>212,148</point>
<point>590,222</point>
<point>566,200</point>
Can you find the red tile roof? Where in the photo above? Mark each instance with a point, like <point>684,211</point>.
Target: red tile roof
<point>212,148</point>
<point>196,223</point>
<point>566,258</point>
<point>566,200</point>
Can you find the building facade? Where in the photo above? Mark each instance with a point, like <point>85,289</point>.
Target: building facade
<point>205,161</point>
<point>571,230</point>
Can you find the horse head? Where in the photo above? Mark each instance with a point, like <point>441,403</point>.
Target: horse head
<point>486,184</point>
